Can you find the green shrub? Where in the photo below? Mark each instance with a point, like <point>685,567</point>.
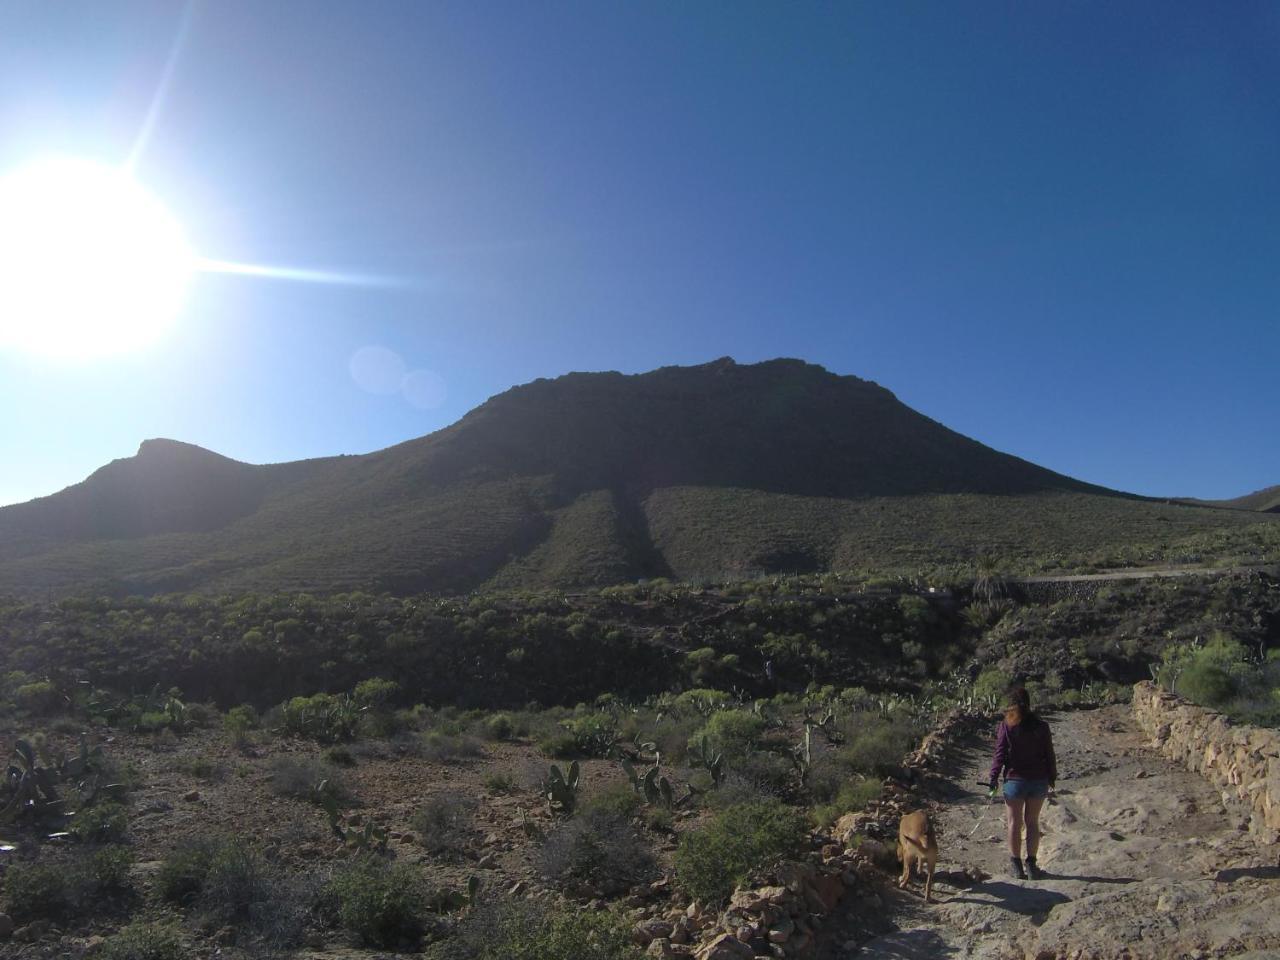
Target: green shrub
<point>499,783</point>
<point>701,700</point>
<point>39,698</point>
<point>234,886</point>
<point>379,901</point>
<point>525,931</point>
<point>1207,684</point>
<point>375,693</point>
<point>238,722</point>
<point>302,780</point>
<point>201,714</point>
<point>596,853</point>
<point>659,819</point>
<point>182,872</point>
<point>499,727</point>
<point>760,772</point>
<point>443,824</point>
<point>322,717</point>
<point>104,822</point>
<point>1210,675</point>
<point>731,732</point>
<point>852,798</point>
<point>441,747</point>
<point>110,866</point>
<point>36,891</point>
<point>202,768</point>
<point>55,891</point>
<point>227,883</point>
<point>992,686</point>
<point>593,735</point>
<point>712,860</point>
<point>558,746</point>
<point>67,726</point>
<point>340,756</point>
<point>615,799</point>
<point>143,940</point>
<point>672,734</point>
<point>876,747</point>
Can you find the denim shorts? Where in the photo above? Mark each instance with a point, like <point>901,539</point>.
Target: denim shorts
<point>1025,789</point>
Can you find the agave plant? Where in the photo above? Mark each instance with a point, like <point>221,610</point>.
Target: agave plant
<point>32,780</point>
<point>711,761</point>
<point>561,789</point>
<point>31,788</point>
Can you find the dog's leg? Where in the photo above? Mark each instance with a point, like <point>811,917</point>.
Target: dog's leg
<point>931,861</point>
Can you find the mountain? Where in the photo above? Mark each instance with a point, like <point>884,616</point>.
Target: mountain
<point>168,487</point>
<point>1266,500</point>
<point>709,471</point>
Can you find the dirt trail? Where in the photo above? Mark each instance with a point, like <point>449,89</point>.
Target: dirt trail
<point>1144,860</point>
<point>1147,573</point>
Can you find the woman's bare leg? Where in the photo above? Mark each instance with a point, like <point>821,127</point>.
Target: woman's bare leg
<point>1015,808</point>
<point>1032,817</point>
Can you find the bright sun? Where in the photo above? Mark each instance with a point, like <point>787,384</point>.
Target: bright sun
<point>90,263</point>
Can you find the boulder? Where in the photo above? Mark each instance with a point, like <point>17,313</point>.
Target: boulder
<point>646,931</point>
<point>660,947</point>
<point>725,947</point>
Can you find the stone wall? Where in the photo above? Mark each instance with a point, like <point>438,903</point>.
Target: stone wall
<point>1242,761</point>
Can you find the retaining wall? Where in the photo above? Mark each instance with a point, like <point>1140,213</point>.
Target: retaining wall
<point>1242,761</point>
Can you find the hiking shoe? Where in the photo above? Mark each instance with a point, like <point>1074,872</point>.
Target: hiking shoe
<point>1015,869</point>
<point>1033,869</point>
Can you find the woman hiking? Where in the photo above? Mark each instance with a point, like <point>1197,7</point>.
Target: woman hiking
<point>1024,754</point>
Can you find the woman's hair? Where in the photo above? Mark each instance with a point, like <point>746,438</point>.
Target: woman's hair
<point>1019,705</point>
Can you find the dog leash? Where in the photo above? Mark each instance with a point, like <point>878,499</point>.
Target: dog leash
<point>982,813</point>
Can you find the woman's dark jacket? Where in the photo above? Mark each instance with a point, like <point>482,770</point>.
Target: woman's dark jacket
<point>1024,751</point>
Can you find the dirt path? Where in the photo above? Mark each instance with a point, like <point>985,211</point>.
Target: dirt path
<point>1146,573</point>
<point>1144,860</point>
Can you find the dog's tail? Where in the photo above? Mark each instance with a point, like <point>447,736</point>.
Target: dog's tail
<point>922,848</point>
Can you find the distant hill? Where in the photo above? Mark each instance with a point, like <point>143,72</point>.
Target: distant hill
<point>695,472</point>
<point>1266,500</point>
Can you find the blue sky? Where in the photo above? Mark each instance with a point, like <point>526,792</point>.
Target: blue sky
<point>1052,227</point>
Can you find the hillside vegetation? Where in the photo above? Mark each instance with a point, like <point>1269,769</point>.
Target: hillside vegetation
<point>461,778</point>
<point>710,472</point>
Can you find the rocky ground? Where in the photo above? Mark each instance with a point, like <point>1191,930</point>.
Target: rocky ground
<point>1144,859</point>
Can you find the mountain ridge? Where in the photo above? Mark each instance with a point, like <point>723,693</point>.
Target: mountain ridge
<point>698,471</point>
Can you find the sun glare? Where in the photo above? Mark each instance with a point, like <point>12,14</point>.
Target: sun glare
<point>90,263</point>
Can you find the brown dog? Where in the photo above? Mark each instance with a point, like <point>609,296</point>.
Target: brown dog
<point>917,843</point>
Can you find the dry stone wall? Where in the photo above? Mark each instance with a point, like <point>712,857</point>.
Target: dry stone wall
<point>1242,761</point>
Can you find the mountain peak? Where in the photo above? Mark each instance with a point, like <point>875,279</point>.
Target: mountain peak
<point>781,426</point>
<point>162,448</point>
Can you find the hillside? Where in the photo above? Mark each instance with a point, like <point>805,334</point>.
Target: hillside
<point>691,472</point>
<point>1266,500</point>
